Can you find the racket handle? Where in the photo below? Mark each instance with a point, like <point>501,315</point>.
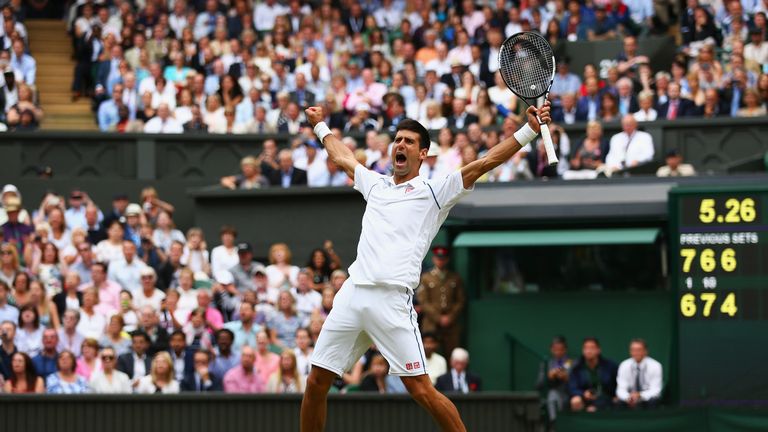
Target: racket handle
<point>547,137</point>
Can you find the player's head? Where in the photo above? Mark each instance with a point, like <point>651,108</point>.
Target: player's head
<point>410,148</point>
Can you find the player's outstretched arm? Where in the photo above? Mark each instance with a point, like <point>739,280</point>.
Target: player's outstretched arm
<point>507,148</point>
<point>337,151</point>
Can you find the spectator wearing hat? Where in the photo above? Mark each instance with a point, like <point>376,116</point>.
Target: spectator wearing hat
<point>14,231</point>
<point>441,296</point>
<point>127,271</point>
<point>148,295</point>
<point>246,268</point>
<point>10,191</point>
<point>429,168</point>
<point>674,166</point>
<point>132,223</point>
<point>287,175</point>
<point>459,379</point>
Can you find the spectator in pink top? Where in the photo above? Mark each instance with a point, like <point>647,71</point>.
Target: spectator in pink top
<point>89,361</point>
<point>267,362</point>
<point>371,92</point>
<point>212,315</point>
<point>244,378</point>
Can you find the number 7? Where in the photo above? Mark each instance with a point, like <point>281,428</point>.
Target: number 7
<point>689,255</point>
<point>709,300</point>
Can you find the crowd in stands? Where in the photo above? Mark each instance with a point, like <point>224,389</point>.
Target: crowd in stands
<point>595,383</point>
<point>239,67</point>
<point>117,300</point>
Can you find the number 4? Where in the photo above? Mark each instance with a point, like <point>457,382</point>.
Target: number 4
<point>729,305</point>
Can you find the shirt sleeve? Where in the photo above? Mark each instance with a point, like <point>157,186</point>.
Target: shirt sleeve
<point>365,180</point>
<point>449,190</point>
<point>654,375</point>
<point>623,382</point>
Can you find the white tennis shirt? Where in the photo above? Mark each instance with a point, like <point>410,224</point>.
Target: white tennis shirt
<point>399,224</point>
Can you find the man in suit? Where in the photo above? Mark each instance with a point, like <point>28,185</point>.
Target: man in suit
<point>676,106</point>
<point>459,379</point>
<point>181,356</point>
<point>149,325</point>
<point>136,363</point>
<point>302,95</point>
<point>201,379</point>
<point>355,20</point>
<point>460,118</point>
<point>567,112</point>
<point>489,62</point>
<point>588,106</point>
<point>287,175</point>
<point>627,100</point>
<point>453,79</point>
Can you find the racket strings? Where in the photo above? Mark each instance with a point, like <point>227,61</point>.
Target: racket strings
<point>525,64</point>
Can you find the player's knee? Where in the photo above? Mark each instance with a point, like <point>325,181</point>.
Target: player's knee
<point>418,389</point>
<point>577,404</point>
<point>319,380</point>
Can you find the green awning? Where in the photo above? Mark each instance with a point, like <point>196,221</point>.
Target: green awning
<point>557,237</point>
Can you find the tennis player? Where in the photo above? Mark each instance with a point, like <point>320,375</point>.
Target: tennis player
<point>375,305</point>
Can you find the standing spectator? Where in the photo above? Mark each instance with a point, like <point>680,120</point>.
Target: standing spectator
<point>441,296</point>
<point>45,362</point>
<point>69,338</point>
<point>287,378</point>
<point>640,378</point>
<point>674,166</point>
<point>225,256</point>
<point>553,377</point>
<point>245,377</point>
<point>109,380</point>
<point>459,379</point>
<point>136,363</point>
<point>22,377</point>
<point>7,312</point>
<point>435,363</point>
<point>630,147</point>
<point>160,379</point>
<point>29,335</point>
<point>66,381</point>
<point>592,381</point>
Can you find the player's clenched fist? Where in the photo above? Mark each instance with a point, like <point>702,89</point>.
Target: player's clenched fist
<point>315,115</point>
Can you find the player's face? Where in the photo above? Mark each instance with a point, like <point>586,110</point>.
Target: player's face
<point>406,154</point>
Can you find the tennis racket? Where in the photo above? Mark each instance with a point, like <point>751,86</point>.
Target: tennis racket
<point>527,64</point>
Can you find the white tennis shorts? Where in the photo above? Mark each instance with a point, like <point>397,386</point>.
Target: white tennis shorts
<point>363,315</point>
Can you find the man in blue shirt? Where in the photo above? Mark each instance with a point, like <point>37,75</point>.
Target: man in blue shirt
<point>23,63</point>
<point>108,110</point>
<point>45,362</point>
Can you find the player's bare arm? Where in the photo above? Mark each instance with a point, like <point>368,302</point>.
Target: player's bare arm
<point>337,151</point>
<point>507,148</point>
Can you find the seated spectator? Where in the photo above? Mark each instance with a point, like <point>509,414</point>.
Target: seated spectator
<point>646,112</point>
<point>127,271</point>
<point>244,378</point>
<point>567,111</point>
<point>7,312</point>
<point>435,363</point>
<point>149,324</point>
<point>65,380</point>
<point>23,63</point>
<point>378,380</point>
<point>284,323</point>
<point>245,329</point>
<point>114,337</point>
<point>553,377</point>
<point>592,381</point>
<point>163,122</point>
<point>14,233</point>
<point>460,118</point>
<point>249,178</point>
<point>712,107</point>
<point>181,355</point>
<point>267,362</point>
<point>70,339</point>
<point>459,379</point>
<point>45,362</point>
<point>433,118</point>
<point>675,167</point>
<point>111,249</point>
<point>754,106</point>
<point>308,301</point>
<point>588,106</point>
<point>89,361</point>
<point>160,379</point>
<point>148,295</point>
<point>92,323</point>
<point>676,106</point>
<point>29,335</point>
<point>609,110</point>
<point>136,363</point>
<point>22,377</point>
<point>286,379</point>
<point>195,255</point>
<point>287,175</point>
<point>24,106</point>
<point>199,330</point>
<point>640,378</point>
<point>629,148</point>
<point>202,379</point>
<point>109,380</point>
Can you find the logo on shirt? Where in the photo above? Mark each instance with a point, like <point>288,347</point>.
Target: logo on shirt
<point>413,366</point>
<point>409,188</point>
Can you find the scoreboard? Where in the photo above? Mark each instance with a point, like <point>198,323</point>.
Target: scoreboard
<point>719,276</point>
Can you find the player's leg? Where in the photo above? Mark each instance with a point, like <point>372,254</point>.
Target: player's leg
<point>313,406</point>
<point>440,407</point>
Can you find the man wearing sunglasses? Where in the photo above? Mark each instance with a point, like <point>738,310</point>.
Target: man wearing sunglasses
<point>109,380</point>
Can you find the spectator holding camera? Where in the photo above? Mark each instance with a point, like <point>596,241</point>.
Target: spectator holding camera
<point>553,377</point>
<point>592,381</point>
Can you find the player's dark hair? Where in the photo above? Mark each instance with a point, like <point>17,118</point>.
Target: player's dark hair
<point>414,126</point>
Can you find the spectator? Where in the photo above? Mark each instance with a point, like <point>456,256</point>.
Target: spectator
<point>630,147</point>
<point>29,335</point>
<point>460,118</point>
<point>459,379</point>
<point>14,233</point>
<point>111,249</point>
<point>646,111</point>
<point>436,364</point>
<point>553,377</point>
<point>7,312</point>
<point>640,378</point>
<point>609,109</point>
<point>70,339</point>
<point>245,377</point>
<point>675,167</point>
<point>127,271</point>
<point>108,115</point>
<point>23,107</point>
<point>202,379</point>
<point>198,330</point>
<point>441,297</point>
<point>46,309</point>
<point>23,63</point>
<point>92,323</point>
<point>211,315</point>
<point>65,380</point>
<point>18,295</point>
<point>181,355</point>
<point>163,122</point>
<point>22,377</point>
<point>226,357</point>
<point>587,107</point>
<point>114,337</point>
<point>149,324</point>
<point>225,256</point>
<point>287,378</point>
<point>754,106</point>
<point>195,255</point>
<point>280,273</point>
<point>245,329</point>
<point>45,361</point>
<point>109,291</point>
<point>284,323</point>
<point>148,295</point>
<point>160,379</point>
<point>676,106</point>
<point>308,300</point>
<point>108,380</point>
<point>136,363</point>
<point>89,361</point>
<point>592,380</point>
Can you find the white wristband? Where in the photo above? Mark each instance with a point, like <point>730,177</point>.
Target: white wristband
<point>322,130</point>
<point>524,135</point>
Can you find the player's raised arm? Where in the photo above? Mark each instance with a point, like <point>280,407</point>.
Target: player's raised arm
<point>507,148</point>
<point>337,151</point>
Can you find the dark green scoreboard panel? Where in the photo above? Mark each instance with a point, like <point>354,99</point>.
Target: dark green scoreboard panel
<point>719,247</point>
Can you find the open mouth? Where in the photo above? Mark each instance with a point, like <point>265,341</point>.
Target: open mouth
<point>400,158</point>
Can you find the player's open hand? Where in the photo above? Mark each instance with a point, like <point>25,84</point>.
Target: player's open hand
<point>315,115</point>
<point>544,115</point>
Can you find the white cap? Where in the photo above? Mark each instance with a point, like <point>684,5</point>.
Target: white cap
<point>434,149</point>
<point>147,271</point>
<point>133,209</point>
<point>10,188</point>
